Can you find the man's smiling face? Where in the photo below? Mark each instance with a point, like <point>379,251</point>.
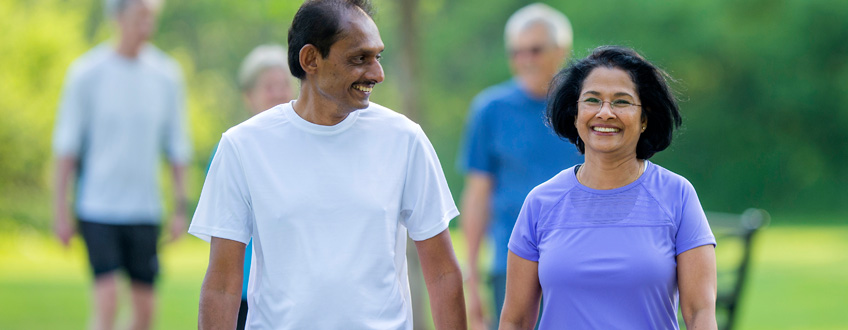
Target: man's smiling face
<point>352,68</point>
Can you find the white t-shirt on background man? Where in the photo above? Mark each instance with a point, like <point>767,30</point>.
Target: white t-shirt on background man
<point>118,116</point>
<point>328,208</point>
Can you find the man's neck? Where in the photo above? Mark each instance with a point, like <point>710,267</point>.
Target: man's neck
<point>128,48</point>
<point>314,109</point>
<point>534,92</point>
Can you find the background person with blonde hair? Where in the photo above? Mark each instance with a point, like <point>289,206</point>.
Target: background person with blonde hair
<point>122,107</point>
<point>508,149</point>
<point>264,78</point>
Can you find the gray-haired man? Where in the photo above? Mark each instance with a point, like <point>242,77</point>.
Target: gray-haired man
<point>508,150</point>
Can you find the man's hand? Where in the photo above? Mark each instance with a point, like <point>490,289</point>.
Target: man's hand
<point>62,227</point>
<point>178,226</point>
<point>477,312</point>
<point>476,198</point>
<point>64,173</point>
<point>178,220</point>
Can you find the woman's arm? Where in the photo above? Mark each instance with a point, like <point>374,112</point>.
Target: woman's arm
<point>696,277</point>
<point>523,293</point>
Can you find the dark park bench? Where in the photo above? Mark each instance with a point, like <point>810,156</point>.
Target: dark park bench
<point>734,235</point>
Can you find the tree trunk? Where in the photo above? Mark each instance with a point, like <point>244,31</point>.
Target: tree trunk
<point>409,73</point>
<point>409,88</point>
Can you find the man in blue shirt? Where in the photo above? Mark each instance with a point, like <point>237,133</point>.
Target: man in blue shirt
<point>508,150</point>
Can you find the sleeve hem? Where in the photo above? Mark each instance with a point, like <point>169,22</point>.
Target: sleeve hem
<point>206,234</point>
<point>523,254</point>
<point>438,228</point>
<point>696,243</point>
<point>477,169</point>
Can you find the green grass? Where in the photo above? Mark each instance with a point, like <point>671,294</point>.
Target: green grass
<point>799,280</point>
<point>44,286</point>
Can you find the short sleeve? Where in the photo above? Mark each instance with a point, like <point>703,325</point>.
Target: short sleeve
<point>475,152</point>
<point>693,229</point>
<point>224,209</point>
<point>524,241</point>
<point>427,205</point>
<point>71,118</point>
<point>177,141</point>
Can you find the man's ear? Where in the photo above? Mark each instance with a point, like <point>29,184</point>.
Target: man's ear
<point>309,57</point>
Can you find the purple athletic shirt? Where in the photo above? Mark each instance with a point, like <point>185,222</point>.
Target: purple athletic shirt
<point>607,258</point>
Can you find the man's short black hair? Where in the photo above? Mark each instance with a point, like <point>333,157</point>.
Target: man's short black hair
<point>318,22</point>
<point>659,106</point>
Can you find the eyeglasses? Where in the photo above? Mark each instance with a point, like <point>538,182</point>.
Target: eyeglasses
<point>596,104</point>
<point>532,51</point>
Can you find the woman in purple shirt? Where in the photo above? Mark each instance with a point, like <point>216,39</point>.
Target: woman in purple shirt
<point>617,242</point>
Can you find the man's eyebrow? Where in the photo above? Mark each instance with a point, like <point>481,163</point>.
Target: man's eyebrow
<point>368,51</point>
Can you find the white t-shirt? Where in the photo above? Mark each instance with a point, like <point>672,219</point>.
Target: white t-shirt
<point>328,208</point>
<point>117,116</point>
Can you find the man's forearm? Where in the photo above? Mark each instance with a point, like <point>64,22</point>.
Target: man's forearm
<point>180,199</point>
<point>65,168</point>
<point>218,308</point>
<point>473,227</point>
<point>475,216</point>
<point>444,281</point>
<point>64,173</point>
<point>220,294</point>
<point>447,302</point>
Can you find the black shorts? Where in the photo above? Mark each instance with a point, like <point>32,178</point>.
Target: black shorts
<point>128,247</point>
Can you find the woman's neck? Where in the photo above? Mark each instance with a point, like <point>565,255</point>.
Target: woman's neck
<point>604,174</point>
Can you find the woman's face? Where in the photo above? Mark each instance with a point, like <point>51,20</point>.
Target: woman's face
<point>609,118</point>
<point>273,86</point>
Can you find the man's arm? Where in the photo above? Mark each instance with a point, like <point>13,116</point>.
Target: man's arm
<point>696,273</point>
<point>523,294</point>
<point>65,172</point>
<point>476,197</point>
<point>444,281</point>
<point>220,294</point>
<point>178,219</point>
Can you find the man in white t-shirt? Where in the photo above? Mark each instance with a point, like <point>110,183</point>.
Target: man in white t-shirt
<point>328,186</point>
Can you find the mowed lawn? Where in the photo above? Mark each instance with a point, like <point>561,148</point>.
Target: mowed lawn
<point>799,280</point>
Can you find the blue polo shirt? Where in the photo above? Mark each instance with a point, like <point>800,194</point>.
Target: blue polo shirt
<point>507,137</point>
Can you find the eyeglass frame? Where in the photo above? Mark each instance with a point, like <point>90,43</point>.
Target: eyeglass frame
<point>612,105</point>
<point>532,51</point>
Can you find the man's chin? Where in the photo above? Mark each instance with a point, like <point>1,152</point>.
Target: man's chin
<point>363,105</point>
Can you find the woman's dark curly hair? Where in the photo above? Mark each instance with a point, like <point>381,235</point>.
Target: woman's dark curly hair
<point>659,106</point>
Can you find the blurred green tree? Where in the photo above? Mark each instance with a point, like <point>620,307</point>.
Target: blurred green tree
<point>763,83</point>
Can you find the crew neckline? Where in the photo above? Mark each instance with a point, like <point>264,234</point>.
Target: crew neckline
<point>649,168</point>
<point>303,124</point>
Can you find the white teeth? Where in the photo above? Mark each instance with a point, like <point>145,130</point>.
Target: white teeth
<point>605,129</point>
<point>363,88</point>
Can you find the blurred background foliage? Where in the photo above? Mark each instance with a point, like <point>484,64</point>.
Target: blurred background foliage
<point>763,84</point>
